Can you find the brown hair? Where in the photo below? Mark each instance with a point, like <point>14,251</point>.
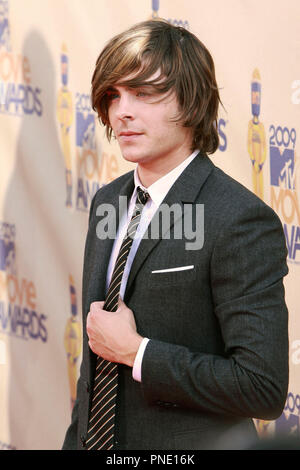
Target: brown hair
<point>186,67</point>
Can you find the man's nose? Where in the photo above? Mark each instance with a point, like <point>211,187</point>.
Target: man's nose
<point>125,110</point>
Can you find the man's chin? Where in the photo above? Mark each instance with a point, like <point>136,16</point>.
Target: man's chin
<point>132,157</point>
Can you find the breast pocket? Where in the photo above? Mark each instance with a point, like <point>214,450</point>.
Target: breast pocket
<point>172,276</point>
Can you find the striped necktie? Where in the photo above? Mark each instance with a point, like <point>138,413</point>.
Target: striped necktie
<point>102,415</point>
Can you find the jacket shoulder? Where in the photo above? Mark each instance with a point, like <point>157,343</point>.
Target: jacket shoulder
<point>231,196</point>
<point>114,186</point>
<point>107,191</point>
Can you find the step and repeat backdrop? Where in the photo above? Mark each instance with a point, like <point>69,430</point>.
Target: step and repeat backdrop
<point>54,156</point>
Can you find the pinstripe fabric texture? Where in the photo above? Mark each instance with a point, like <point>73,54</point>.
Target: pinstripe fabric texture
<point>102,416</point>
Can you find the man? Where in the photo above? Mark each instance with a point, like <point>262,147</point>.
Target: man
<point>196,344</point>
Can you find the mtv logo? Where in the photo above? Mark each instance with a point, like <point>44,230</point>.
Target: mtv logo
<point>4,26</point>
<point>7,256</point>
<point>282,168</point>
<point>85,130</point>
<point>288,424</point>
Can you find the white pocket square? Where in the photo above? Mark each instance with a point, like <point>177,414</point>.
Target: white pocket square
<point>171,270</point>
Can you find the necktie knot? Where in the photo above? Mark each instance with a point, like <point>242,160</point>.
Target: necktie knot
<point>142,196</point>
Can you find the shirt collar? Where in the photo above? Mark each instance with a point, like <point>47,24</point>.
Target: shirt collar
<point>159,189</point>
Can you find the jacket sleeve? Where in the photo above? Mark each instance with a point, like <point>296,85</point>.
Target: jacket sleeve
<point>250,379</point>
<point>70,441</point>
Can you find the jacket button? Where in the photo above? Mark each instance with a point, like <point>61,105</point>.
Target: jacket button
<point>87,386</point>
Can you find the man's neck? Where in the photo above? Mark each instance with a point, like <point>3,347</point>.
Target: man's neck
<point>150,173</point>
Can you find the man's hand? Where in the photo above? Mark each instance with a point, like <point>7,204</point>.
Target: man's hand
<point>113,335</point>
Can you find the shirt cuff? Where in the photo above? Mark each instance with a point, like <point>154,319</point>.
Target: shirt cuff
<point>137,365</point>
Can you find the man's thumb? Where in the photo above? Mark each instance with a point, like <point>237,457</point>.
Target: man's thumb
<point>120,302</point>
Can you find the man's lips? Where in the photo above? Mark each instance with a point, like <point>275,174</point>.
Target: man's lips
<point>129,133</point>
<point>129,137</point>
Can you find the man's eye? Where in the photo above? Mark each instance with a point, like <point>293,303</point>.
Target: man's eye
<point>112,95</point>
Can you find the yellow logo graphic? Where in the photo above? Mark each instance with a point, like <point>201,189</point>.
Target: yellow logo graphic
<point>264,428</point>
<point>257,148</point>
<point>65,119</point>
<point>72,341</point>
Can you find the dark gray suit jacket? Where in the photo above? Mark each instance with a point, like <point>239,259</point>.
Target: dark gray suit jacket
<point>218,349</point>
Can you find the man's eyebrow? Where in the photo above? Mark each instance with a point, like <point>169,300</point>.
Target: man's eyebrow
<point>111,88</point>
<point>128,87</point>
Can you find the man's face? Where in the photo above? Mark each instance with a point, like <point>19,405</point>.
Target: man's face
<point>142,123</point>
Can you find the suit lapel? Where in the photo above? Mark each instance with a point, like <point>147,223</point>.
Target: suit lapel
<point>98,256</point>
<point>101,251</point>
<point>185,190</point>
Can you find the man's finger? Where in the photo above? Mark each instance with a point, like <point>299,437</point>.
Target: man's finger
<point>120,302</point>
<point>98,305</point>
